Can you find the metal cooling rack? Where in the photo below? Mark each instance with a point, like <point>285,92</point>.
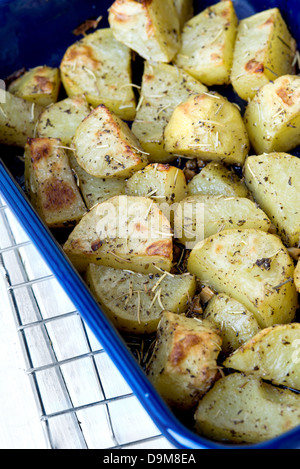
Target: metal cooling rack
<point>83,401</point>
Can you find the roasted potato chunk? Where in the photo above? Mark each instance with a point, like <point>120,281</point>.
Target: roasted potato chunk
<point>184,361</point>
<point>62,119</point>
<point>217,179</point>
<point>50,183</point>
<point>241,409</point>
<point>208,43</point>
<point>272,354</point>
<point>236,324</point>
<point>208,126</point>
<point>18,119</point>
<point>100,67</point>
<point>124,233</point>
<point>95,190</point>
<point>264,50</point>
<point>251,266</point>
<point>163,88</point>
<point>199,216</point>
<point>165,184</point>
<point>39,85</point>
<point>106,147</point>
<point>134,302</point>
<point>272,118</point>
<point>274,181</point>
<point>151,28</point>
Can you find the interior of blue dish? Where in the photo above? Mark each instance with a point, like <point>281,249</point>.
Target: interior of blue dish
<point>36,32</point>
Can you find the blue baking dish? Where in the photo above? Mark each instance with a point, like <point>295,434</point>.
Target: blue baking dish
<point>35,32</point>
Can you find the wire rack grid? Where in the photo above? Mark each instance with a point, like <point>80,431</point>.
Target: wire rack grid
<point>83,401</point>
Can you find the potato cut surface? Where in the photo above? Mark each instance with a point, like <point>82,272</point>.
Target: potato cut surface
<point>251,266</point>
<point>99,66</point>
<point>134,302</point>
<point>183,366</point>
<point>242,409</point>
<point>164,86</point>
<point>151,28</point>
<point>123,232</point>
<point>105,146</point>
<point>272,118</point>
<point>50,183</point>
<point>274,181</point>
<point>208,126</point>
<point>208,43</point>
<point>264,50</point>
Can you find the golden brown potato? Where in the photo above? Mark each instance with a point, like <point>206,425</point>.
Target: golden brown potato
<point>208,126</point>
<point>264,50</point>
<point>100,67</point>
<point>95,190</point>
<point>236,324</point>
<point>241,409</point>
<point>272,117</point>
<point>50,183</point>
<point>208,43</point>
<point>124,233</point>
<point>184,362</point>
<point>151,28</point>
<point>217,179</point>
<point>106,147</point>
<point>274,181</point>
<point>199,216</point>
<point>134,302</point>
<point>62,119</point>
<point>18,120</point>
<point>251,266</point>
<point>272,354</point>
<point>38,85</point>
<point>164,86</point>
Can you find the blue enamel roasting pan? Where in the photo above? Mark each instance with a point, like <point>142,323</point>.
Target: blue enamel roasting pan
<point>35,32</point>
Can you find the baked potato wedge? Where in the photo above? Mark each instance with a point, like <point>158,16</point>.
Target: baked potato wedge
<point>272,354</point>
<point>123,232</point>
<point>264,50</point>
<point>18,120</point>
<point>62,119</point>
<point>199,216</point>
<point>50,183</point>
<point>134,302</point>
<point>164,86</point>
<point>235,323</point>
<point>272,117</point>
<point>38,85</point>
<point>95,190</point>
<point>208,126</point>
<point>208,43</point>
<point>244,410</point>
<point>105,146</point>
<point>100,67</point>
<point>274,181</point>
<point>151,28</point>
<point>184,361</point>
<point>251,266</point>
<point>217,179</point>
<point>165,184</point>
